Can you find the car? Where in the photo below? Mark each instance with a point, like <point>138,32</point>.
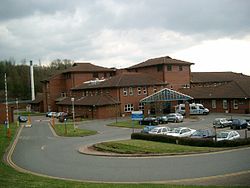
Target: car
<point>50,114</point>
<point>162,119</point>
<point>149,121</point>
<point>248,124</point>
<point>222,122</point>
<point>22,119</point>
<point>181,132</point>
<point>203,133</point>
<point>148,128</point>
<point>239,124</point>
<point>160,130</point>
<point>175,117</point>
<point>227,135</point>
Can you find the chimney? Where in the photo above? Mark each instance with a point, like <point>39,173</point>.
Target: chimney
<point>32,82</point>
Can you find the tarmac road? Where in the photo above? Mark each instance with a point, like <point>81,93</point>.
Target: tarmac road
<point>39,151</point>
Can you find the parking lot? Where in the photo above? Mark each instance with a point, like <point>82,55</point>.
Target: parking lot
<point>206,122</point>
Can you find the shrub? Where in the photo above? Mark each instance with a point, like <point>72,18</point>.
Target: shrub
<point>191,141</point>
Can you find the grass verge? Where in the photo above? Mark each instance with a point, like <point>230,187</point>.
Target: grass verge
<point>24,113</point>
<point>60,130</point>
<point>145,147</point>
<point>127,124</point>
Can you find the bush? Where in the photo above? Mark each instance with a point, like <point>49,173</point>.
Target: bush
<point>191,141</point>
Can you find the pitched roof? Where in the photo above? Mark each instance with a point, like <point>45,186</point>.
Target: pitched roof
<point>160,61</point>
<point>123,80</point>
<point>87,67</point>
<point>97,100</point>
<point>205,77</point>
<point>234,89</point>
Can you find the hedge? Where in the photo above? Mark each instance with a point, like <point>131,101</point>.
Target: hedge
<point>191,141</point>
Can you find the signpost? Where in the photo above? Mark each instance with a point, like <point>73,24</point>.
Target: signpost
<point>136,116</point>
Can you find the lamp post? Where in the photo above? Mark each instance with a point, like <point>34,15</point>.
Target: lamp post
<point>17,111</point>
<point>73,111</point>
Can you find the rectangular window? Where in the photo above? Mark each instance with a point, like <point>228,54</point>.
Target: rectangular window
<point>214,104</point>
<point>139,90</point>
<point>131,91</point>
<point>224,104</point>
<point>125,91</point>
<point>236,104</point>
<point>141,106</point>
<point>128,107</point>
<point>154,89</point>
<point>63,94</point>
<point>180,68</point>
<point>169,67</point>
<point>145,91</point>
<point>159,68</point>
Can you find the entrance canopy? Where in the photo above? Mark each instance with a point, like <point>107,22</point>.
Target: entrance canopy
<point>165,95</point>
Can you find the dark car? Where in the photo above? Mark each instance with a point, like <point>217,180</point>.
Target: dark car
<point>162,119</point>
<point>147,128</point>
<point>207,133</point>
<point>22,119</point>
<point>239,124</point>
<point>149,121</point>
<point>248,124</point>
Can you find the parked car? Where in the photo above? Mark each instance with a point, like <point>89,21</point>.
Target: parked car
<point>222,122</point>
<point>248,124</point>
<point>175,117</point>
<point>160,130</point>
<point>149,121</point>
<point>227,135</point>
<point>203,133</point>
<point>148,128</point>
<point>22,119</point>
<point>239,124</point>
<point>181,132</point>
<point>162,119</point>
<point>50,114</point>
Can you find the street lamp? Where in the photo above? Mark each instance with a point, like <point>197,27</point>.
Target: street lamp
<point>73,111</point>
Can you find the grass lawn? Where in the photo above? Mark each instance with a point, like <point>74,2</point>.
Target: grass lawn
<point>143,147</point>
<point>60,130</point>
<point>127,124</point>
<point>10,178</point>
<point>24,113</point>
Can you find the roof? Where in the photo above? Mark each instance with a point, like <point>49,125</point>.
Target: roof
<point>160,61</point>
<point>166,95</point>
<point>87,67</point>
<point>205,77</point>
<point>234,89</point>
<point>128,79</point>
<point>96,100</point>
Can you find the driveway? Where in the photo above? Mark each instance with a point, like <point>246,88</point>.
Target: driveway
<point>39,151</point>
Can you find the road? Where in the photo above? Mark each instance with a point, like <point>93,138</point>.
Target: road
<point>39,151</point>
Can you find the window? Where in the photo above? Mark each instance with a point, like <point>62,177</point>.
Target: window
<point>180,68</point>
<point>63,94</point>
<point>87,93</point>
<point>125,91</point>
<point>128,107</point>
<point>169,67</point>
<point>95,75</point>
<point>224,104</point>
<point>159,68</point>
<point>68,75</point>
<point>141,106</point>
<point>145,91</point>
<point>213,103</point>
<point>155,89</point>
<point>131,91</point>
<point>236,104</point>
<point>139,90</point>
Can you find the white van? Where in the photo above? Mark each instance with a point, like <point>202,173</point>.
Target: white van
<point>194,109</point>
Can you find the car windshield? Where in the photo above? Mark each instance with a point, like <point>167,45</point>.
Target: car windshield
<point>198,133</point>
<point>222,135</point>
<point>154,130</point>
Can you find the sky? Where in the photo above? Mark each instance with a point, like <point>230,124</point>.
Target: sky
<point>213,34</point>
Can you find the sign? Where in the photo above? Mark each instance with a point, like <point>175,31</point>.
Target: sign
<point>137,115</point>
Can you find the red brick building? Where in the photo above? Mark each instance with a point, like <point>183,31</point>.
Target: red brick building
<point>221,91</point>
<point>116,96</point>
<point>172,71</point>
<point>58,86</point>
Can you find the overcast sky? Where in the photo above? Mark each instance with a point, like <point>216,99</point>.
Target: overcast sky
<point>213,34</point>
